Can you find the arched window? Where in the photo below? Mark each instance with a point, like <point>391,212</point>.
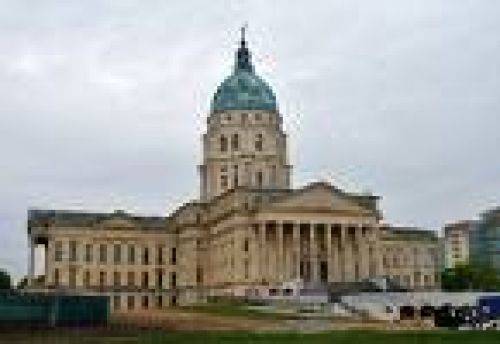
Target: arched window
<point>223,143</point>
<point>258,142</point>
<point>234,142</point>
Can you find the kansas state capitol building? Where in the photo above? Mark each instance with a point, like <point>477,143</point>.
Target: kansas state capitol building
<point>249,233</point>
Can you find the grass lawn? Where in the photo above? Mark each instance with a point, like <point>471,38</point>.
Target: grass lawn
<point>338,337</point>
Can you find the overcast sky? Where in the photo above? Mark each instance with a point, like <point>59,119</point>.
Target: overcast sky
<point>102,103</point>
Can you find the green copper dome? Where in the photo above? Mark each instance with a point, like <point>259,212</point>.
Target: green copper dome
<point>244,90</point>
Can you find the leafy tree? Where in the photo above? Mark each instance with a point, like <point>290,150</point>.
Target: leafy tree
<point>5,282</point>
<point>470,277</point>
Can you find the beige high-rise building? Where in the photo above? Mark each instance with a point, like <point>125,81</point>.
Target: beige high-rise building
<point>456,242</point>
<point>249,232</point>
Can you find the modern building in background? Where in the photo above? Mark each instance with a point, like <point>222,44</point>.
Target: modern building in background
<point>249,231</point>
<point>457,242</point>
<point>485,241</point>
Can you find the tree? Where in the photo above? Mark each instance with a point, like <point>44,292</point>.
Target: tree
<point>470,277</point>
<point>5,282</point>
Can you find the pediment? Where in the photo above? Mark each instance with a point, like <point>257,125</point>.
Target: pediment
<point>318,196</point>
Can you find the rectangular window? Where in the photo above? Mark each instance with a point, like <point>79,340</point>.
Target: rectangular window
<point>72,251</point>
<point>56,277</point>
<point>117,253</point>
<point>145,279</point>
<point>235,176</point>
<point>88,253</point>
<point>259,178</point>
<point>245,245</point>
<point>102,278</point>
<point>103,253</point>
<point>130,279</point>
<point>159,302</point>
<point>131,254</point>
<point>258,142</point>
<point>145,256</point>
<point>199,275</point>
<point>72,277</point>
<point>159,278</point>
<point>173,280</point>
<point>235,142</point>
<point>117,279</point>
<point>145,301</point>
<point>58,254</point>
<point>130,302</point>
<point>173,257</point>
<point>223,182</point>
<point>159,255</point>
<point>246,269</point>
<point>86,279</point>
<point>117,302</point>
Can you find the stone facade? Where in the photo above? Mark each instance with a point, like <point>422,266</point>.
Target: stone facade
<point>250,230</point>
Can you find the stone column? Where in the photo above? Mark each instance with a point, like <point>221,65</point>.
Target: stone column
<point>263,251</point>
<point>336,257</point>
<point>31,261</point>
<point>280,263</point>
<point>329,259</point>
<point>344,262</point>
<point>255,259</point>
<point>313,253</point>
<point>296,250</point>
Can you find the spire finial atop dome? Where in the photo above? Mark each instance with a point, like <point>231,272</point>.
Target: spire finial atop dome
<point>243,28</point>
<point>243,58</point>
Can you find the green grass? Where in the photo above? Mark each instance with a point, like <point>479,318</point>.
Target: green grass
<point>337,337</point>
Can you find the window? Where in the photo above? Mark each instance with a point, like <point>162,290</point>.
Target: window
<point>88,253</point>
<point>245,245</point>
<point>72,251</point>
<point>173,280</point>
<point>56,277</point>
<point>273,175</point>
<point>117,253</point>
<point>159,278</point>
<point>131,254</point>
<point>102,278</point>
<point>159,301</point>
<point>173,257</point>
<point>159,255</point>
<point>130,279</point>
<point>259,142</point>
<point>117,279</point>
<point>223,143</point>
<point>145,279</point>
<point>259,178</point>
<point>103,254</point>
<point>199,275</point>
<point>72,277</point>
<point>235,176</point>
<point>247,272</point>
<point>145,256</point>
<point>235,142</point>
<point>117,302</point>
<point>145,301</point>
<point>86,278</point>
<point>258,116</point>
<point>223,182</point>
<point>130,302</point>
<point>244,118</point>
<point>58,254</point>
